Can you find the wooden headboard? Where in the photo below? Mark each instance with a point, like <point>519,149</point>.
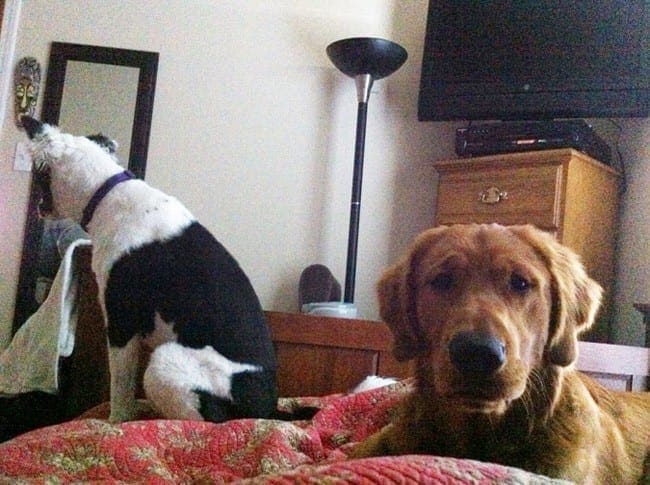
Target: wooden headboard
<point>618,367</point>
<point>316,355</point>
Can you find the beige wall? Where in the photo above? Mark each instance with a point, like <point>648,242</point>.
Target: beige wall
<point>634,237</point>
<point>254,130</point>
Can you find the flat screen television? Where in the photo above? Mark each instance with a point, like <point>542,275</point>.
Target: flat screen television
<point>535,59</point>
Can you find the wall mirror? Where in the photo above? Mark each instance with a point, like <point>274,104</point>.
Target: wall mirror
<point>89,89</point>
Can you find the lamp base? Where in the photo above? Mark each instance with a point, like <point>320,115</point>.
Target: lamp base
<point>331,309</point>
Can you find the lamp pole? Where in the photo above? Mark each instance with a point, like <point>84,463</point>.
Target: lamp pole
<point>364,84</point>
<point>365,59</point>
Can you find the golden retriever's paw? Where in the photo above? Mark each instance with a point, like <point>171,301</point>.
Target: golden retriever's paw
<point>377,444</point>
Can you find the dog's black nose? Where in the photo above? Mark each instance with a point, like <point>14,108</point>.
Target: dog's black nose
<point>477,353</point>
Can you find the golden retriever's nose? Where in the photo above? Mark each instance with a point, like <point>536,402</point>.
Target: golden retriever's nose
<point>477,353</point>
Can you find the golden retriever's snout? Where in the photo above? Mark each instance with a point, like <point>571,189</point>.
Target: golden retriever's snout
<point>477,353</point>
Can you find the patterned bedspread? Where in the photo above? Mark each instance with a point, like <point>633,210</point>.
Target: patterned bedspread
<point>243,451</point>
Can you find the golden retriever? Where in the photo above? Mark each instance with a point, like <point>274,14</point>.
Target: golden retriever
<point>491,314</point>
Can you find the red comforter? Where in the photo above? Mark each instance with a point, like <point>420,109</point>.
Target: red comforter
<point>247,451</point>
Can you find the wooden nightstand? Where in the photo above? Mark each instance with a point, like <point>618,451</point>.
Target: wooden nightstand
<point>561,191</point>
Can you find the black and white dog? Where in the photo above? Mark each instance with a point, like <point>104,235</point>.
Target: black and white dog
<point>164,282</point>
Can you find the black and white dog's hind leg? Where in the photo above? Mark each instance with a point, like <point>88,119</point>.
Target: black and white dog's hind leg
<point>123,365</point>
<point>202,384</point>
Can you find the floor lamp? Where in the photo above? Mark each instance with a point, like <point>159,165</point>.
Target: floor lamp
<point>365,59</point>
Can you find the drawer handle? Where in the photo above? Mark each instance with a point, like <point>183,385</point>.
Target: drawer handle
<point>493,195</point>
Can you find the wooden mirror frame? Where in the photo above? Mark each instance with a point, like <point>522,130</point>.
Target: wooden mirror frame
<point>60,54</point>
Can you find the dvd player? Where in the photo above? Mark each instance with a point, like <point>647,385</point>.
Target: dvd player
<point>516,136</point>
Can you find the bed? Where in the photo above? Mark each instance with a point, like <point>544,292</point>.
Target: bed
<point>320,360</point>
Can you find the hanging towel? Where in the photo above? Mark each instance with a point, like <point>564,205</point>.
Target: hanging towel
<point>31,362</point>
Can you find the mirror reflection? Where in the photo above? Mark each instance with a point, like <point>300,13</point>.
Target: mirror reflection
<point>115,86</point>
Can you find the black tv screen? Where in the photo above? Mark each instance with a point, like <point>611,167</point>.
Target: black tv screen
<point>535,59</point>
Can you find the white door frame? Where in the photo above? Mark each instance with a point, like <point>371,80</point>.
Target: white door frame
<point>7,49</point>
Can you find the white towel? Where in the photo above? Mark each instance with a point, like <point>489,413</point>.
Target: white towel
<point>31,362</point>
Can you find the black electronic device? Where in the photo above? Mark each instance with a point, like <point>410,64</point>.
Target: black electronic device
<point>507,137</point>
<point>535,60</point>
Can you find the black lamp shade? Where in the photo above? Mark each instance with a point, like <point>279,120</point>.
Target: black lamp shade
<point>366,55</point>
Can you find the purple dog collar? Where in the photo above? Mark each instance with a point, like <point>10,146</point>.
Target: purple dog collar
<point>106,187</point>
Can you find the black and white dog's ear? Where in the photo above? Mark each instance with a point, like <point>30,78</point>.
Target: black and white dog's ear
<point>32,126</point>
<point>108,144</point>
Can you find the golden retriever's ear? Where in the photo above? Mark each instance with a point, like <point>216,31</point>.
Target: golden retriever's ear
<point>397,291</point>
<point>393,293</point>
<point>575,296</point>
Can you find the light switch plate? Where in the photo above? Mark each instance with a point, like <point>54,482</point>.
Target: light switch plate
<point>22,157</point>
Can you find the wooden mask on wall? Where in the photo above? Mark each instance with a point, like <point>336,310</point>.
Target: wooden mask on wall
<point>27,83</point>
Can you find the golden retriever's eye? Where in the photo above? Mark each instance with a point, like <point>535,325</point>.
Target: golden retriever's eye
<point>442,282</point>
<point>519,284</point>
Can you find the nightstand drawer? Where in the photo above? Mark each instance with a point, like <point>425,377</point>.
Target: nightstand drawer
<point>507,195</point>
